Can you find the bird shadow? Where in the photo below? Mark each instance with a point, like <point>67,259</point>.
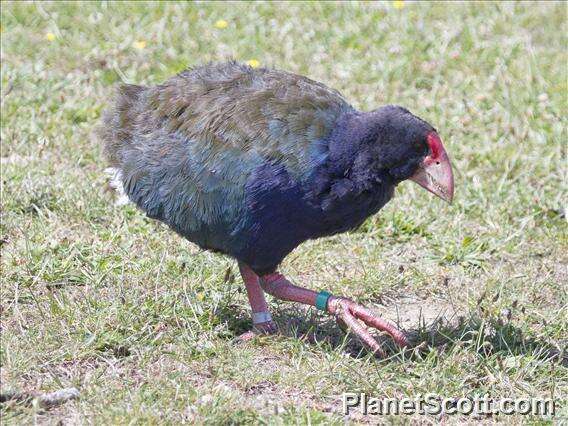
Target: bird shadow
<point>486,337</point>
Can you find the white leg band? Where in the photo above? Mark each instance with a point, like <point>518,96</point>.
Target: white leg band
<point>259,317</point>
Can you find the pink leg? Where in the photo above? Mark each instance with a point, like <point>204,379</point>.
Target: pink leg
<point>345,310</point>
<point>262,322</point>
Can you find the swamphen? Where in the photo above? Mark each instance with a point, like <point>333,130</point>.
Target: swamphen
<point>253,162</point>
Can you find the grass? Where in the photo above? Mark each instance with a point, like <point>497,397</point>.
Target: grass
<point>99,297</point>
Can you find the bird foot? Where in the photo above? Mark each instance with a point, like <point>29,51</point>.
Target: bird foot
<point>261,329</point>
<point>352,315</point>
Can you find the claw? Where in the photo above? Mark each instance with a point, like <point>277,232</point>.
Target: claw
<point>268,327</point>
<point>261,329</point>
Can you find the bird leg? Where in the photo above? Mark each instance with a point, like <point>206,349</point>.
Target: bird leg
<point>261,318</point>
<point>345,311</point>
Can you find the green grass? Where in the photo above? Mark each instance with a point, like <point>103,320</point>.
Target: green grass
<point>99,297</point>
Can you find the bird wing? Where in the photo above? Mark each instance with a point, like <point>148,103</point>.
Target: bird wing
<point>233,108</point>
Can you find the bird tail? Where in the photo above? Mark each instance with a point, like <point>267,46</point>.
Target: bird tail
<point>116,132</point>
<point>118,122</point>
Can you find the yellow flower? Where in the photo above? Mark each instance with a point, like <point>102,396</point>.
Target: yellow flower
<point>221,24</point>
<point>398,4</point>
<point>50,36</point>
<point>139,44</point>
<point>253,63</point>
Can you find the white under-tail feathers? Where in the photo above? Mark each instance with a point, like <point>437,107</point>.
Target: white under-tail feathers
<point>115,182</point>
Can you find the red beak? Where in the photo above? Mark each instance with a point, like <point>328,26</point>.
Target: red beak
<point>435,172</point>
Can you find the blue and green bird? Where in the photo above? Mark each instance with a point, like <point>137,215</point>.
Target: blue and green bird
<point>251,162</point>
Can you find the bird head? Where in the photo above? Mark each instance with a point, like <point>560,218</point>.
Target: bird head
<point>410,148</point>
<point>434,173</point>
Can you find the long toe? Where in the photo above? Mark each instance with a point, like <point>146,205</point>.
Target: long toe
<point>380,324</point>
<point>352,315</point>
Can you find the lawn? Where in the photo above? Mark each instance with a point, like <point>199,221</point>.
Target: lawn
<point>96,296</point>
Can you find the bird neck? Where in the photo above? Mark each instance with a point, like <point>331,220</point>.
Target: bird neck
<point>350,177</point>
<point>352,151</point>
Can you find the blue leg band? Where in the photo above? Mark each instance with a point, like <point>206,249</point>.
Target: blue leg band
<point>321,300</point>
